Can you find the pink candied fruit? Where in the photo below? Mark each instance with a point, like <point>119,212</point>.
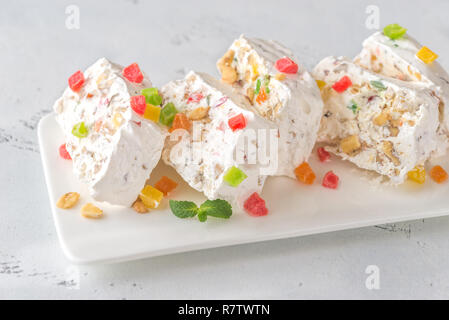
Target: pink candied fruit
<point>237,122</point>
<point>76,81</point>
<point>255,206</point>
<point>323,155</point>
<point>138,104</point>
<point>132,73</point>
<point>330,180</point>
<point>286,65</point>
<point>342,84</point>
<point>195,97</point>
<point>64,153</point>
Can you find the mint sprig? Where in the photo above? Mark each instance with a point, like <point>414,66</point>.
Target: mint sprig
<point>183,209</point>
<point>214,208</point>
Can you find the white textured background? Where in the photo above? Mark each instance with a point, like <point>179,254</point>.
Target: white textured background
<point>38,53</point>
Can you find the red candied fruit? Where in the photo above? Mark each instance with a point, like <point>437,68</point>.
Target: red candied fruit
<point>330,180</point>
<point>76,81</point>
<point>342,84</point>
<point>64,153</point>
<point>286,65</point>
<point>255,206</point>
<point>323,154</point>
<point>195,97</point>
<point>237,122</point>
<point>132,73</point>
<point>138,104</point>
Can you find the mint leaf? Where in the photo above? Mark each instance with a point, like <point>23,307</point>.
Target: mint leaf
<point>202,216</point>
<point>215,208</point>
<point>183,209</point>
<point>378,85</point>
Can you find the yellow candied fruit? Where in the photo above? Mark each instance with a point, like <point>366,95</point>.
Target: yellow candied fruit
<point>151,197</point>
<point>320,84</point>
<point>417,174</point>
<point>152,112</point>
<point>117,119</point>
<point>255,71</point>
<point>426,55</point>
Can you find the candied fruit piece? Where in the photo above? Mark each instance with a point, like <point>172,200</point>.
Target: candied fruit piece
<point>237,122</point>
<point>261,96</point>
<point>320,84</point>
<point>132,73</point>
<point>330,180</point>
<point>168,114</point>
<point>234,176</point>
<point>151,197</point>
<point>255,206</point>
<point>286,65</point>
<point>195,97</point>
<point>417,174</point>
<point>165,185</point>
<point>323,155</point>
<point>76,81</point>
<point>438,174</point>
<point>64,153</point>
<point>152,113</point>
<point>304,173</point>
<point>342,84</point>
<point>426,55</point>
<point>394,31</point>
<point>80,130</point>
<point>152,96</point>
<point>138,104</point>
<point>180,122</point>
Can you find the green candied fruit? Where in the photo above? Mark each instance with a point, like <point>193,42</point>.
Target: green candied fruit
<point>152,96</point>
<point>168,114</point>
<point>234,176</point>
<point>378,85</point>
<point>394,31</point>
<point>80,130</point>
<point>258,84</point>
<point>353,107</point>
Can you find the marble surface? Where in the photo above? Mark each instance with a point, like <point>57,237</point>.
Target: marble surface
<point>167,38</point>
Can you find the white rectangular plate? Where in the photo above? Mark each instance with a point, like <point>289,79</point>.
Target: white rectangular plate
<point>295,210</point>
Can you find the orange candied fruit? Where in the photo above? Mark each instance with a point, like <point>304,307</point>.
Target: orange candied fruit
<point>262,96</point>
<point>304,173</point>
<point>180,122</point>
<point>438,174</point>
<point>165,185</point>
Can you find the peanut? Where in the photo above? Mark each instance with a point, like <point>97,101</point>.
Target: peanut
<point>69,200</point>
<point>90,211</point>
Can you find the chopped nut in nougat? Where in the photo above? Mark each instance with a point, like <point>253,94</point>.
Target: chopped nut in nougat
<point>388,149</point>
<point>350,144</point>
<point>383,124</point>
<point>198,113</point>
<point>69,200</point>
<point>90,211</point>
<point>381,119</point>
<point>281,91</point>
